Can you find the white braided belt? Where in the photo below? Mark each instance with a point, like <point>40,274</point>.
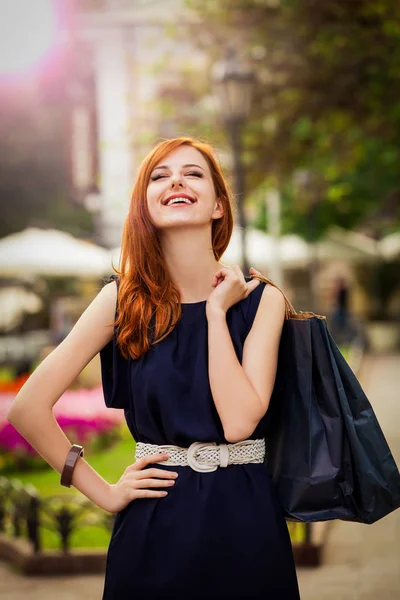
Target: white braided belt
<point>205,457</point>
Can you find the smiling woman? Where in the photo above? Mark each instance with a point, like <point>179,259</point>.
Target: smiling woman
<point>176,168</point>
<point>197,515</point>
<point>27,33</point>
<point>182,184</point>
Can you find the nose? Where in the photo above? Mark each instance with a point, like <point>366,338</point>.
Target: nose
<point>176,180</point>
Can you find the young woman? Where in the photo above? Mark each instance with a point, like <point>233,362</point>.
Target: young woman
<point>191,358</point>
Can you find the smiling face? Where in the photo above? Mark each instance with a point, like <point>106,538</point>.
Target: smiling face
<point>184,173</point>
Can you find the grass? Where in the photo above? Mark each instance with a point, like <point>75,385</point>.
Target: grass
<point>110,464</point>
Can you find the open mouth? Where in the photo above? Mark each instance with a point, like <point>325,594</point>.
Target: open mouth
<point>179,202</point>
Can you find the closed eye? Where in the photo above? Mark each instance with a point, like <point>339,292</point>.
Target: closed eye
<point>192,173</point>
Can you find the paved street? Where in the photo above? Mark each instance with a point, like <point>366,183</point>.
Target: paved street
<point>361,562</point>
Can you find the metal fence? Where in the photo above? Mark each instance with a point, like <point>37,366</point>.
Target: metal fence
<point>24,513</point>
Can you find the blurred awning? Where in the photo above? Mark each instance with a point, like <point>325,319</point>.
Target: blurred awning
<point>390,246</point>
<point>15,302</point>
<point>293,250</point>
<point>53,253</point>
<point>349,246</point>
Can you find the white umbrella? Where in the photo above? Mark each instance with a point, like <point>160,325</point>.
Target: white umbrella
<point>14,303</point>
<point>293,250</point>
<point>390,246</point>
<point>50,252</point>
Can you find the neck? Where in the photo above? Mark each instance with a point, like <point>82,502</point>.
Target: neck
<point>190,261</point>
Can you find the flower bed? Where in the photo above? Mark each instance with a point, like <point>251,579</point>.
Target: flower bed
<point>82,414</point>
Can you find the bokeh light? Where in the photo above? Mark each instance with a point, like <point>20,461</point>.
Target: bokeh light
<point>27,34</point>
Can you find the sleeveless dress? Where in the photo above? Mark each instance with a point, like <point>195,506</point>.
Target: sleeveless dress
<point>216,535</point>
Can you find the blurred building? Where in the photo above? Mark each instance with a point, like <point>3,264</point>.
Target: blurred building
<point>125,61</point>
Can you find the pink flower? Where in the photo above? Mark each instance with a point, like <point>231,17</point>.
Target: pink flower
<point>83,411</point>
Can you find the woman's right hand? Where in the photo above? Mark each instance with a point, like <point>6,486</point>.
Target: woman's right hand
<point>136,480</point>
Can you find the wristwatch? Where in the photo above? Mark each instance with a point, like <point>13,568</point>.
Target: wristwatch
<point>66,476</point>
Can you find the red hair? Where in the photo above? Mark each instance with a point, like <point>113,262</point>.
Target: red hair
<point>145,286</point>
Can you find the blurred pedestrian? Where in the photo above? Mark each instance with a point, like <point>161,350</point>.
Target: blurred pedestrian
<point>342,325</point>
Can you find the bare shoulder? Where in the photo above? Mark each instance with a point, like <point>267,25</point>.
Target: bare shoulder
<point>108,295</point>
<point>98,318</point>
<point>102,308</point>
<point>273,300</point>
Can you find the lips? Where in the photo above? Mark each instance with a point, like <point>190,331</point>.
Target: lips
<point>172,196</point>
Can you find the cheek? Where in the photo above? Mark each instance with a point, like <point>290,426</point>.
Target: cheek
<point>151,207</point>
<point>151,197</point>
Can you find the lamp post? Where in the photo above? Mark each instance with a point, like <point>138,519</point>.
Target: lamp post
<point>307,187</point>
<point>233,87</point>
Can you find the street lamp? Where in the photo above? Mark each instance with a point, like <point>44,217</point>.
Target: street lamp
<point>308,189</point>
<point>233,87</point>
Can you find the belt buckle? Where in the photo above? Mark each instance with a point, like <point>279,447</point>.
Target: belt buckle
<point>196,466</point>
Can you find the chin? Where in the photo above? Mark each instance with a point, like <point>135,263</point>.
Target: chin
<point>179,222</point>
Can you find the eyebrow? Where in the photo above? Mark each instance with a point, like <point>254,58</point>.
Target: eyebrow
<point>184,167</point>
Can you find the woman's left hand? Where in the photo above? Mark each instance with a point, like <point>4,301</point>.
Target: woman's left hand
<point>230,287</point>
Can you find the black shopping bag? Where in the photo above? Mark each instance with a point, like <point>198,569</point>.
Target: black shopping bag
<point>326,452</point>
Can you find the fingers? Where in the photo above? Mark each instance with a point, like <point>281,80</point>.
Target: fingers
<point>149,494</point>
<point>152,478</point>
<point>143,473</point>
<point>140,481</point>
<point>221,273</point>
<point>226,271</point>
<point>216,279</point>
<point>147,460</point>
<point>145,483</point>
<point>236,268</point>
<point>143,479</point>
<point>251,285</point>
<point>157,473</point>
<point>234,274</point>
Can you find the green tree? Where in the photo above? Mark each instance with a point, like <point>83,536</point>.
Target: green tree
<point>327,100</point>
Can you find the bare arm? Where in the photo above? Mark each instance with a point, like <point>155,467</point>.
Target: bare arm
<point>32,410</point>
<point>242,392</point>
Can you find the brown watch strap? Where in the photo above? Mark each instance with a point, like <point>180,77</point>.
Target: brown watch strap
<point>66,476</point>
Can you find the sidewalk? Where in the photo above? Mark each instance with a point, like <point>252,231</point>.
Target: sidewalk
<point>361,562</point>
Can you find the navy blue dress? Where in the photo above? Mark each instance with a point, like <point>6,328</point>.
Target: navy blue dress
<point>215,535</point>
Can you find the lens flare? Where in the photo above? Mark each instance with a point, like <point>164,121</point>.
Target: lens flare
<point>27,34</point>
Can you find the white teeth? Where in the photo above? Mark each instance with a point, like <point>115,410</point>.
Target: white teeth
<point>174,200</point>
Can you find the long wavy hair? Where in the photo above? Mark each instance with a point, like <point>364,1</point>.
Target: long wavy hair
<point>146,289</point>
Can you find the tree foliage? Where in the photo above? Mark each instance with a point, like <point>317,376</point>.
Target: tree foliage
<point>326,99</point>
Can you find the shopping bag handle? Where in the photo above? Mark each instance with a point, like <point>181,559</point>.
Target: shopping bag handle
<point>290,312</point>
